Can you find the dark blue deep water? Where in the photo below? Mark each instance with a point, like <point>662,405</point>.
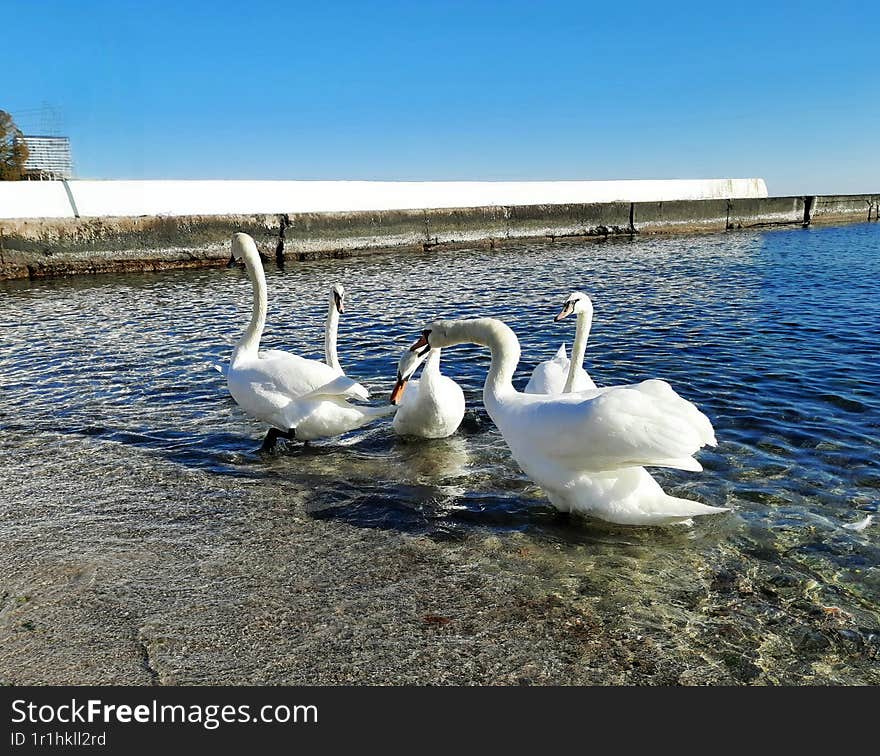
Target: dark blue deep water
<point>774,335</point>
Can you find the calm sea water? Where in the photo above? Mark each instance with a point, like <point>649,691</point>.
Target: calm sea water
<point>773,335</point>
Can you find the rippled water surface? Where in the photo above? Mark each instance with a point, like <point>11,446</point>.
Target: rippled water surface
<point>773,335</point>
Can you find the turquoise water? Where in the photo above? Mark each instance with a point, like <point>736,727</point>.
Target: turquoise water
<point>773,335</point>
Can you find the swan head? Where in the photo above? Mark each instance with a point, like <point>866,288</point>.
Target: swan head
<point>337,295</point>
<point>435,335</point>
<point>242,245</point>
<point>412,357</point>
<point>577,302</point>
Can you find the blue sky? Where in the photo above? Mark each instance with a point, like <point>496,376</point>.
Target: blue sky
<point>458,90</point>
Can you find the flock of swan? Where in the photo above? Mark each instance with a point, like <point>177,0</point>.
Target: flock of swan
<point>586,447</point>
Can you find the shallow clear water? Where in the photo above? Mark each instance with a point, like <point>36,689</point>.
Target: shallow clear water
<point>773,335</point>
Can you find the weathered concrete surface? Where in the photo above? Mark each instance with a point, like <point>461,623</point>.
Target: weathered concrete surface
<point>313,234</point>
<point>680,216</point>
<point>39,247</point>
<point>49,247</point>
<point>853,208</point>
<point>772,211</point>
<point>459,225</point>
<point>605,219</point>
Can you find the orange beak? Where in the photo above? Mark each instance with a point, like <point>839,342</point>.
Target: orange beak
<point>422,342</point>
<point>397,391</point>
<point>566,311</point>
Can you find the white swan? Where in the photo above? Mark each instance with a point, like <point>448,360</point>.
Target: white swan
<point>432,407</point>
<point>634,486</point>
<point>331,328</point>
<point>560,374</point>
<point>335,308</point>
<point>298,398</point>
<point>576,445</point>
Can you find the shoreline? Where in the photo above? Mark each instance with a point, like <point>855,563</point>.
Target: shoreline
<point>33,248</point>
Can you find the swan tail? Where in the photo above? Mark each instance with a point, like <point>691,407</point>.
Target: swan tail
<point>561,354</point>
<point>680,511</point>
<point>630,496</point>
<point>678,463</point>
<point>366,415</point>
<point>383,410</point>
<point>312,410</point>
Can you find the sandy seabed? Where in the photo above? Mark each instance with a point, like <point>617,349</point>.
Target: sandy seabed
<point>171,575</point>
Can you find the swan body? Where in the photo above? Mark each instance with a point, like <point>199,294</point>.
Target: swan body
<point>291,394</point>
<point>560,374</point>
<point>630,492</point>
<point>432,407</point>
<point>585,449</point>
<point>549,376</point>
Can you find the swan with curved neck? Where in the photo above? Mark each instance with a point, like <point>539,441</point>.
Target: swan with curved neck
<point>584,448</point>
<point>561,374</point>
<point>298,398</point>
<point>432,407</point>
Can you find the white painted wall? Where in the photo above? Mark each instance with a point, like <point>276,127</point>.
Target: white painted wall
<point>132,198</point>
<point>34,199</point>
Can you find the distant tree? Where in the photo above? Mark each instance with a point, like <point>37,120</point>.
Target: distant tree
<point>13,152</point>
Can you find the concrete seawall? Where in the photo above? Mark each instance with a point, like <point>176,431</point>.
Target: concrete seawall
<point>40,247</point>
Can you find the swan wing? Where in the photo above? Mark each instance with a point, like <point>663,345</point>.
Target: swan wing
<point>620,427</point>
<point>662,391</point>
<point>291,374</point>
<point>342,387</point>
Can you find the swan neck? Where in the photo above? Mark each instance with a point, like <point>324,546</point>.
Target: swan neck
<point>503,345</point>
<point>249,343</point>
<point>330,333</point>
<point>432,364</point>
<point>430,372</point>
<point>578,348</point>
